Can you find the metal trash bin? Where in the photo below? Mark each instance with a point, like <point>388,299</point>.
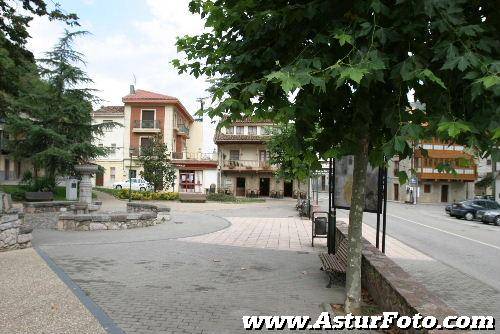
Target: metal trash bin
<point>320,225</point>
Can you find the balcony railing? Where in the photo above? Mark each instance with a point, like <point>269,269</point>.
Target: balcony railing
<point>200,156</point>
<point>147,124</point>
<point>461,173</point>
<point>182,129</point>
<point>247,164</point>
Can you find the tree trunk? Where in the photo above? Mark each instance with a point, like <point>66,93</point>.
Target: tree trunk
<point>353,271</point>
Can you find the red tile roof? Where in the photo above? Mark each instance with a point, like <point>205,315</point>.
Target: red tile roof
<point>110,110</point>
<point>144,96</point>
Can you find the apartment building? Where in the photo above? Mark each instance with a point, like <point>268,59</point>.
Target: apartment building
<point>434,186</point>
<point>243,161</point>
<point>11,170</point>
<point>143,115</point>
<point>113,139</point>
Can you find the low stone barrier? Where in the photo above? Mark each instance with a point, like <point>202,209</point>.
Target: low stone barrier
<point>59,206</point>
<point>45,207</point>
<point>393,288</point>
<point>163,212</point>
<point>14,233</point>
<point>192,197</point>
<point>107,221</point>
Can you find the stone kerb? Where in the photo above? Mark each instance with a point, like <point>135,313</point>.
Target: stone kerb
<point>393,288</point>
<point>107,221</point>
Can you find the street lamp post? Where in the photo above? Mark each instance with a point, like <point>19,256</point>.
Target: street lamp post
<point>131,152</point>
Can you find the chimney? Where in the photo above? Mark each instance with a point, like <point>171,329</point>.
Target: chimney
<point>132,89</point>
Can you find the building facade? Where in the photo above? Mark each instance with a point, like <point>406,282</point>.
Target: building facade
<point>433,186</point>
<point>243,159</point>
<point>143,115</point>
<point>11,170</point>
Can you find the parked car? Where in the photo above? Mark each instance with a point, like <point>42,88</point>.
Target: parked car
<point>489,216</point>
<point>137,184</point>
<point>468,209</point>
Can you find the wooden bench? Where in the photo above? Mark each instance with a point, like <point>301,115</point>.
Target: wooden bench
<point>39,196</point>
<point>335,264</point>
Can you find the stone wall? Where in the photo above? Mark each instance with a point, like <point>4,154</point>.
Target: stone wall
<point>107,221</point>
<point>45,207</point>
<point>162,212</point>
<point>393,288</point>
<point>14,233</point>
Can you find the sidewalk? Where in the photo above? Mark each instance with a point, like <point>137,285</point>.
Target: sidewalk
<point>34,300</point>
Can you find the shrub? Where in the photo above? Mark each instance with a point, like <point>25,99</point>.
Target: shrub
<point>146,195</point>
<point>220,197</point>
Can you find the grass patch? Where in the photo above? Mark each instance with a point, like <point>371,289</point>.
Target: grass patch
<point>17,192</point>
<point>225,198</point>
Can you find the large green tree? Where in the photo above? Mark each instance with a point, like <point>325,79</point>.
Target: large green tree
<point>50,122</point>
<point>296,159</point>
<point>341,70</point>
<point>17,63</point>
<point>155,159</point>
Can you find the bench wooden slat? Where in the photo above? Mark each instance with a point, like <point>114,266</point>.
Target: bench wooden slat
<point>335,262</point>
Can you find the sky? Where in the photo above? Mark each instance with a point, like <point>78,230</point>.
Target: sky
<point>130,38</point>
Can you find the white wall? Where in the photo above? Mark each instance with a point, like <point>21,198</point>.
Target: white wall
<point>209,177</point>
<point>114,136</point>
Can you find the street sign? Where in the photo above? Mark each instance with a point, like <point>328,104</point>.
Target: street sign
<point>413,181</point>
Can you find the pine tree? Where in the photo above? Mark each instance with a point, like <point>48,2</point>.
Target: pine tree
<point>51,120</point>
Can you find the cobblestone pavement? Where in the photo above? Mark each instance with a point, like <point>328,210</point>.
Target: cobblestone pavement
<point>34,300</point>
<point>149,281</point>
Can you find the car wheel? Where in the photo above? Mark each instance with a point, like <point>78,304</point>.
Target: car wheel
<point>497,221</point>
<point>469,216</point>
<point>118,187</point>
<point>142,189</point>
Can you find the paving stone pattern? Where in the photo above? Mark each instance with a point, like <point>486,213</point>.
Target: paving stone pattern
<point>172,286</point>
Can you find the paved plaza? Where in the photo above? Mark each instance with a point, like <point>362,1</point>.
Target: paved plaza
<point>202,271</point>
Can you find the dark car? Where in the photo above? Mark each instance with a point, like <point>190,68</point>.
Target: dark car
<point>468,209</point>
<point>489,216</point>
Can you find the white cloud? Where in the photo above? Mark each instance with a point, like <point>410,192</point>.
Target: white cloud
<point>114,57</point>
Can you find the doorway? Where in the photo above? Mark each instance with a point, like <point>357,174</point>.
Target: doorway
<point>240,186</point>
<point>264,186</point>
<point>99,179</point>
<point>288,189</point>
<point>396,192</point>
<point>186,181</point>
<point>7,169</point>
<point>444,193</point>
<point>323,182</point>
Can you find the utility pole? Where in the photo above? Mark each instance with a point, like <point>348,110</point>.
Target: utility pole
<point>202,106</point>
<point>494,174</point>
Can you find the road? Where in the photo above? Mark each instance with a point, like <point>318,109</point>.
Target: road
<point>467,272</point>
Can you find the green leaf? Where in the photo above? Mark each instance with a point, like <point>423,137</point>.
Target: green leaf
<point>454,128</point>
<point>403,177</point>
<point>406,70</point>
<point>496,134</point>
<point>343,38</point>
<point>353,73</point>
<point>490,81</point>
<point>463,63</point>
<point>431,76</point>
<point>399,143</point>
